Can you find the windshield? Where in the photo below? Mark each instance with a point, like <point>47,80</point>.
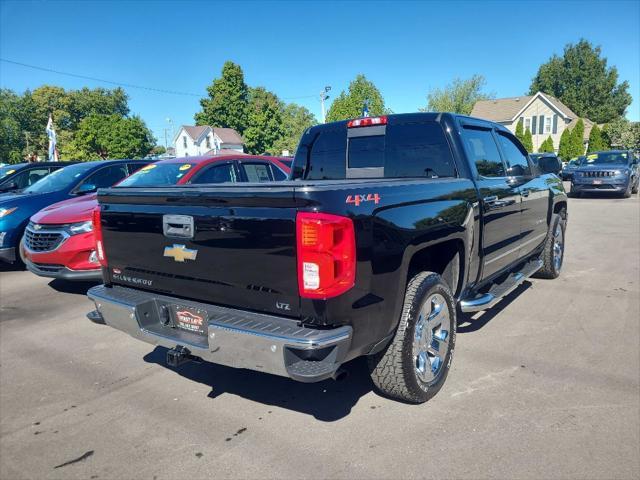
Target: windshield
<point>157,174</point>
<point>60,179</point>
<point>9,169</point>
<point>604,158</point>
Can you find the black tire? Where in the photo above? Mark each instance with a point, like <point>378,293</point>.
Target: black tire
<point>550,267</point>
<point>627,192</point>
<point>394,370</point>
<point>635,188</point>
<point>21,251</point>
<point>573,194</point>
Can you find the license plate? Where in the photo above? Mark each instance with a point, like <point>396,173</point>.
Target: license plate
<point>189,319</point>
<point>597,182</point>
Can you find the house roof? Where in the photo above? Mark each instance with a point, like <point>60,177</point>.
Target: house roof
<point>228,135</point>
<point>195,132</point>
<point>507,109</point>
<point>500,109</point>
<point>561,106</point>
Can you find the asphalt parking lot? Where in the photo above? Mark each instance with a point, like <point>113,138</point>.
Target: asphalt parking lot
<point>547,385</point>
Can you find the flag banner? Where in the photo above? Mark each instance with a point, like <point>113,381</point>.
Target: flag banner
<point>365,109</point>
<point>51,133</point>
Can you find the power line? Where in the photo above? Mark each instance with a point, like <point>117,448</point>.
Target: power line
<point>121,84</point>
<point>95,79</point>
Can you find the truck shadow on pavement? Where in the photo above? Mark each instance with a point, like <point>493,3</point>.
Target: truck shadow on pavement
<point>76,288</point>
<point>326,401</point>
<point>468,324</point>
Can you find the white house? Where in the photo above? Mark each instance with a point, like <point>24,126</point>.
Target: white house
<point>544,115</point>
<point>191,141</point>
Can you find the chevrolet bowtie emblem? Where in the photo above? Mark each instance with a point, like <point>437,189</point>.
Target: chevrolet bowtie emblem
<point>180,253</point>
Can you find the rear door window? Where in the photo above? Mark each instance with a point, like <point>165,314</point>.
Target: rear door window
<point>418,150</point>
<point>257,172</point>
<point>278,174</point>
<point>328,156</point>
<point>483,151</point>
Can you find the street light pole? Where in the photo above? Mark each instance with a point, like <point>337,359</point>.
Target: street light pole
<point>323,97</point>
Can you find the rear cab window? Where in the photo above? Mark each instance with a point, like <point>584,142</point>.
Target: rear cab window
<point>403,148</point>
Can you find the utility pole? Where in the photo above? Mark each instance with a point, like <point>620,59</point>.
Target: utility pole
<point>323,97</point>
<point>27,137</point>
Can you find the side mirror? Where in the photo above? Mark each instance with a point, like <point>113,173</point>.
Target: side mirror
<point>86,188</point>
<point>8,186</point>
<point>550,165</point>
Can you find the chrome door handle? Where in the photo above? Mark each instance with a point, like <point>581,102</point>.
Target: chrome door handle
<point>525,192</point>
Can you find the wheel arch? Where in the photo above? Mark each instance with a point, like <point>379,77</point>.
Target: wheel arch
<point>445,258</point>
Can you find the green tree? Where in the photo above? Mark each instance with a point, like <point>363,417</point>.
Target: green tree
<point>295,120</point>
<point>527,141</point>
<point>228,101</point>
<point>28,113</point>
<point>564,149</point>
<point>596,143</point>
<point>12,139</point>
<point>349,104</point>
<point>583,81</point>
<point>577,139</point>
<point>109,136</point>
<point>622,133</point>
<point>547,146</point>
<point>264,121</point>
<point>458,97</point>
<point>520,130</point>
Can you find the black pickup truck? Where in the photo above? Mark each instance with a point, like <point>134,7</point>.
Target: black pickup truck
<point>385,230</point>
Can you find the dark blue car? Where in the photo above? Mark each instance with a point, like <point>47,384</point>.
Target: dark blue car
<point>22,175</point>
<point>68,182</point>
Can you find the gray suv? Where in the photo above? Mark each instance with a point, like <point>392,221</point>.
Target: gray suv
<point>614,171</point>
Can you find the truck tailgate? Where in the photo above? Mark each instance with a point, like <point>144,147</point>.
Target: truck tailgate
<point>240,252</point>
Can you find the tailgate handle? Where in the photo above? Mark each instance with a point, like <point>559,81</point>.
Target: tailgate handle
<point>177,226</point>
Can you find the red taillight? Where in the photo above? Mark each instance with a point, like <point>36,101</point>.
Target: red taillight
<point>97,235</point>
<point>326,254</point>
<point>367,122</point>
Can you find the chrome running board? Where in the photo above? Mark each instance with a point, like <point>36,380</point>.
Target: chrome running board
<point>501,290</point>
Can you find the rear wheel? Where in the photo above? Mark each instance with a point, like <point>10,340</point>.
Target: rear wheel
<point>414,366</point>
<point>553,253</point>
<point>635,188</point>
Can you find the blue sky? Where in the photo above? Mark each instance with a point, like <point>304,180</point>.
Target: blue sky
<point>296,48</point>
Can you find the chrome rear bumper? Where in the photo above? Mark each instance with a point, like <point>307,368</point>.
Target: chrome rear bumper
<point>235,338</point>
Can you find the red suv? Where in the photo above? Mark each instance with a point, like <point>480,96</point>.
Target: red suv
<point>74,256</point>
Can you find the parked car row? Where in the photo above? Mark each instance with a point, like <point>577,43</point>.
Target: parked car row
<point>46,222</point>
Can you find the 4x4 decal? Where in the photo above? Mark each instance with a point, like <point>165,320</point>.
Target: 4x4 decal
<point>366,197</point>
